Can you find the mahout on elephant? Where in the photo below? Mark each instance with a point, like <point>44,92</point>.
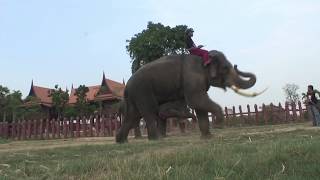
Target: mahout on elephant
<point>176,77</point>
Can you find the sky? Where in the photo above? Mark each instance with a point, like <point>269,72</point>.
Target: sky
<point>75,41</point>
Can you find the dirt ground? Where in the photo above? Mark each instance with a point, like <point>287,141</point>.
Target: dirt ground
<point>15,146</point>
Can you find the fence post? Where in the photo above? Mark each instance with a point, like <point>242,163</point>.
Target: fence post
<point>84,123</point>
<point>294,111</point>
<point>271,119</point>
<point>286,112</point>
<point>256,113</point>
<point>234,111</point>
<point>110,126</point>
<point>103,125</point>
<point>29,126</point>
<point>280,112</point>
<point>65,133</point>
<point>97,125</point>
<point>23,129</point>
<point>6,130</point>
<point>71,127</point>
<point>300,111</point>
<point>58,128</point>
<point>13,129</point>
<point>47,128</point>
<point>53,128</point>
<point>227,115</point>
<point>41,129</point>
<point>35,128</point>
<point>78,127</point>
<point>264,114</point>
<point>91,126</point>
<point>249,114</point>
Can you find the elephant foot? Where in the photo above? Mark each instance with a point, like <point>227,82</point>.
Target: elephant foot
<point>153,137</point>
<point>121,139</point>
<point>138,137</point>
<point>206,136</point>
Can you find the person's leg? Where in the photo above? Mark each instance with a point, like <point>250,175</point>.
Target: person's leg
<point>202,53</point>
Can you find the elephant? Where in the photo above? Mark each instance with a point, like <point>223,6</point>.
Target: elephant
<point>176,77</point>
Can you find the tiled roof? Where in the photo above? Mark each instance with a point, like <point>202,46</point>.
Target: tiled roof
<point>42,94</point>
<point>116,89</point>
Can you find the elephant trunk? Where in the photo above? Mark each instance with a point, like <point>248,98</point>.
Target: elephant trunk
<point>242,83</point>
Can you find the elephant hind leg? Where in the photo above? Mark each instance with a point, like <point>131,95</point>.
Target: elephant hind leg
<point>129,122</point>
<point>148,107</point>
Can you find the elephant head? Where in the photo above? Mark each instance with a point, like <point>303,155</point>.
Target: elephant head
<point>222,74</point>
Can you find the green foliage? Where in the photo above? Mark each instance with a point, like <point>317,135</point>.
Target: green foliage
<point>60,99</point>
<point>33,109</point>
<point>154,42</point>
<point>291,93</point>
<point>82,105</point>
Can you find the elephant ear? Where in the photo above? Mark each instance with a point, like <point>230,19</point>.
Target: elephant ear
<point>214,64</point>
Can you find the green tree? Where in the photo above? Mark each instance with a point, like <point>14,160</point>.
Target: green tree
<point>82,105</point>
<point>13,105</point>
<point>4,92</point>
<point>32,110</point>
<point>60,99</point>
<point>291,92</point>
<point>154,42</point>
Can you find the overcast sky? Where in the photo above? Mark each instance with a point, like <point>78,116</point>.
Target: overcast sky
<point>73,41</point>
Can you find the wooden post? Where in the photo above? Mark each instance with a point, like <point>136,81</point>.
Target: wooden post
<point>241,116</point>
<point>271,113</point>
<point>91,126</point>
<point>256,114</point>
<point>249,114</point>
<point>294,111</point>
<point>97,125</point>
<point>58,128</point>
<point>6,130</point>
<point>41,129</point>
<point>47,128</point>
<point>23,129</point>
<point>35,129</point>
<point>227,115</point>
<point>84,126</point>
<point>103,125</point>
<point>71,127</point>
<point>287,112</point>
<point>234,111</point>
<point>264,114</point>
<point>280,112</point>
<point>78,127</point>
<point>65,133</point>
<point>300,111</point>
<point>29,126</point>
<point>110,126</point>
<point>13,130</point>
<point>115,126</point>
<point>53,128</point>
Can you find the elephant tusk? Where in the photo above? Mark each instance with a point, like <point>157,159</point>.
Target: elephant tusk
<point>254,94</point>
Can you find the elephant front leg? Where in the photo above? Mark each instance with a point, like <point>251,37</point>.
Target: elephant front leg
<point>203,122</point>
<point>203,104</point>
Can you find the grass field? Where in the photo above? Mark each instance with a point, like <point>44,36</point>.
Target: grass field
<point>266,152</point>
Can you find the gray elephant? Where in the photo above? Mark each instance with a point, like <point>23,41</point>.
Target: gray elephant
<point>177,77</point>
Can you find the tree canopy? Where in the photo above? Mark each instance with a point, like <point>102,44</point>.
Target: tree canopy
<point>154,42</point>
<point>60,99</point>
<point>291,93</point>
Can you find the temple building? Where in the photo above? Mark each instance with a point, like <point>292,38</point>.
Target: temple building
<point>106,95</point>
<point>38,100</point>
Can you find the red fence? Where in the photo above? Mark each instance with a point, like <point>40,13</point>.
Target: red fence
<point>95,126</point>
